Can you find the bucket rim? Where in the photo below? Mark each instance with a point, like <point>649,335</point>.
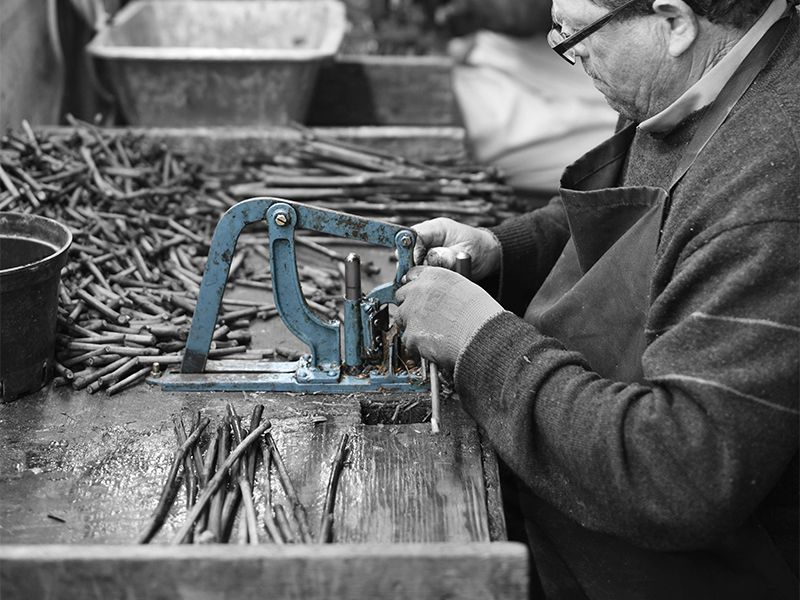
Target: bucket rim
<point>57,253</point>
<point>335,13</point>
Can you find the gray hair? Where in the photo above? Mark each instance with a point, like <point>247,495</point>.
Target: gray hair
<point>739,14</point>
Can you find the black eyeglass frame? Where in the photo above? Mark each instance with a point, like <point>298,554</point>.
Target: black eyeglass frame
<point>576,38</point>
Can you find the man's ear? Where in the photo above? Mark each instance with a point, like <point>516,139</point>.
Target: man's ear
<point>682,23</point>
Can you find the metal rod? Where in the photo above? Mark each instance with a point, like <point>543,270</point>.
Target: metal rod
<point>352,276</point>
<point>352,310</point>
<point>435,413</point>
<point>464,264</point>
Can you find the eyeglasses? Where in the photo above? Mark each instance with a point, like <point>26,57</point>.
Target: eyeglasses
<point>563,44</point>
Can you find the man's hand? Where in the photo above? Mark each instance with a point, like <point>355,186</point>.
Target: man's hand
<point>441,311</point>
<point>439,240</point>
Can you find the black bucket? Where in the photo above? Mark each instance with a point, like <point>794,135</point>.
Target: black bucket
<point>33,250</point>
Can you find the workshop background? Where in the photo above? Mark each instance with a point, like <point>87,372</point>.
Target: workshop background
<point>427,63</point>
<point>128,130</point>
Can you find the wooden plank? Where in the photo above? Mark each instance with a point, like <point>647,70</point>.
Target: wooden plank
<point>406,484</point>
<point>78,468</point>
<point>475,571</point>
<point>494,494</point>
<point>384,90</point>
<point>81,469</point>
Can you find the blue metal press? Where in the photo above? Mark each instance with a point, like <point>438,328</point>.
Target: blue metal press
<point>345,356</point>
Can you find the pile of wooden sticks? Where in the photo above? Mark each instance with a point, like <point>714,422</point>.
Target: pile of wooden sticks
<point>220,481</point>
<point>341,176</point>
<point>142,219</point>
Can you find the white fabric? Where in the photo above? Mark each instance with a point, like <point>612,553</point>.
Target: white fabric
<point>525,110</point>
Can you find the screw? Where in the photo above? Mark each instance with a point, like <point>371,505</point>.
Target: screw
<point>405,241</point>
<point>281,219</point>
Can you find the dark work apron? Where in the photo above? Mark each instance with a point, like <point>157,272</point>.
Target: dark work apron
<point>595,301</point>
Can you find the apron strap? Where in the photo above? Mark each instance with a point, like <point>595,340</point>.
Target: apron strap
<point>730,95</point>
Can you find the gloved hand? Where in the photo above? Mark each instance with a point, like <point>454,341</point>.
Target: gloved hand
<point>440,239</point>
<point>441,311</point>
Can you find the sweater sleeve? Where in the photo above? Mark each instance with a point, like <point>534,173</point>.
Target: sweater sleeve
<point>676,461</point>
<point>531,244</point>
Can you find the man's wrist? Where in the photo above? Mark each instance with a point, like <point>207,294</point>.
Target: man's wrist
<point>494,252</point>
<point>465,347</point>
<point>474,316</point>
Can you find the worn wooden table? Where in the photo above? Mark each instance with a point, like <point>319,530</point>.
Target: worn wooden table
<point>415,512</point>
<point>418,515</point>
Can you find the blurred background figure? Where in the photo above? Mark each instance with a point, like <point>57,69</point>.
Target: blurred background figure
<point>523,110</point>
<point>44,69</point>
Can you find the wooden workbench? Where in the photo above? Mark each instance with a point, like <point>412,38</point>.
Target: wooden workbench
<point>80,472</point>
<point>418,515</point>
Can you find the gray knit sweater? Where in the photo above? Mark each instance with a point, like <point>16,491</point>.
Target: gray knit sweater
<point>685,458</point>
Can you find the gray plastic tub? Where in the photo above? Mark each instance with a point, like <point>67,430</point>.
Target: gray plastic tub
<point>183,63</point>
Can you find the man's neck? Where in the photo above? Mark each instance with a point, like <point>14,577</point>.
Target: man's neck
<point>714,43</point>
<point>712,61</point>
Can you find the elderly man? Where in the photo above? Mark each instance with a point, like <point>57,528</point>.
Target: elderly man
<point>638,372</point>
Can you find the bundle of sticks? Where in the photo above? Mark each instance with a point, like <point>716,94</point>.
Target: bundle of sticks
<point>220,483</point>
<point>341,176</point>
<point>142,219</point>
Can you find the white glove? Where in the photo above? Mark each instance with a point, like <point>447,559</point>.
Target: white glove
<point>440,312</point>
<point>439,240</point>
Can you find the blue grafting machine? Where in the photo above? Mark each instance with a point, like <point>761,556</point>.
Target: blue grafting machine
<point>356,354</point>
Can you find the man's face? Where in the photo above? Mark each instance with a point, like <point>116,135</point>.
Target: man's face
<point>625,58</point>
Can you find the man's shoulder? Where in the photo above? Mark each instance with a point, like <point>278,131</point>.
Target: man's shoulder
<point>779,83</point>
<point>750,169</point>
<point>762,133</point>
<point>749,172</point>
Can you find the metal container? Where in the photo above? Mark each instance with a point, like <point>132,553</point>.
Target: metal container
<point>183,63</point>
<point>33,250</point>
